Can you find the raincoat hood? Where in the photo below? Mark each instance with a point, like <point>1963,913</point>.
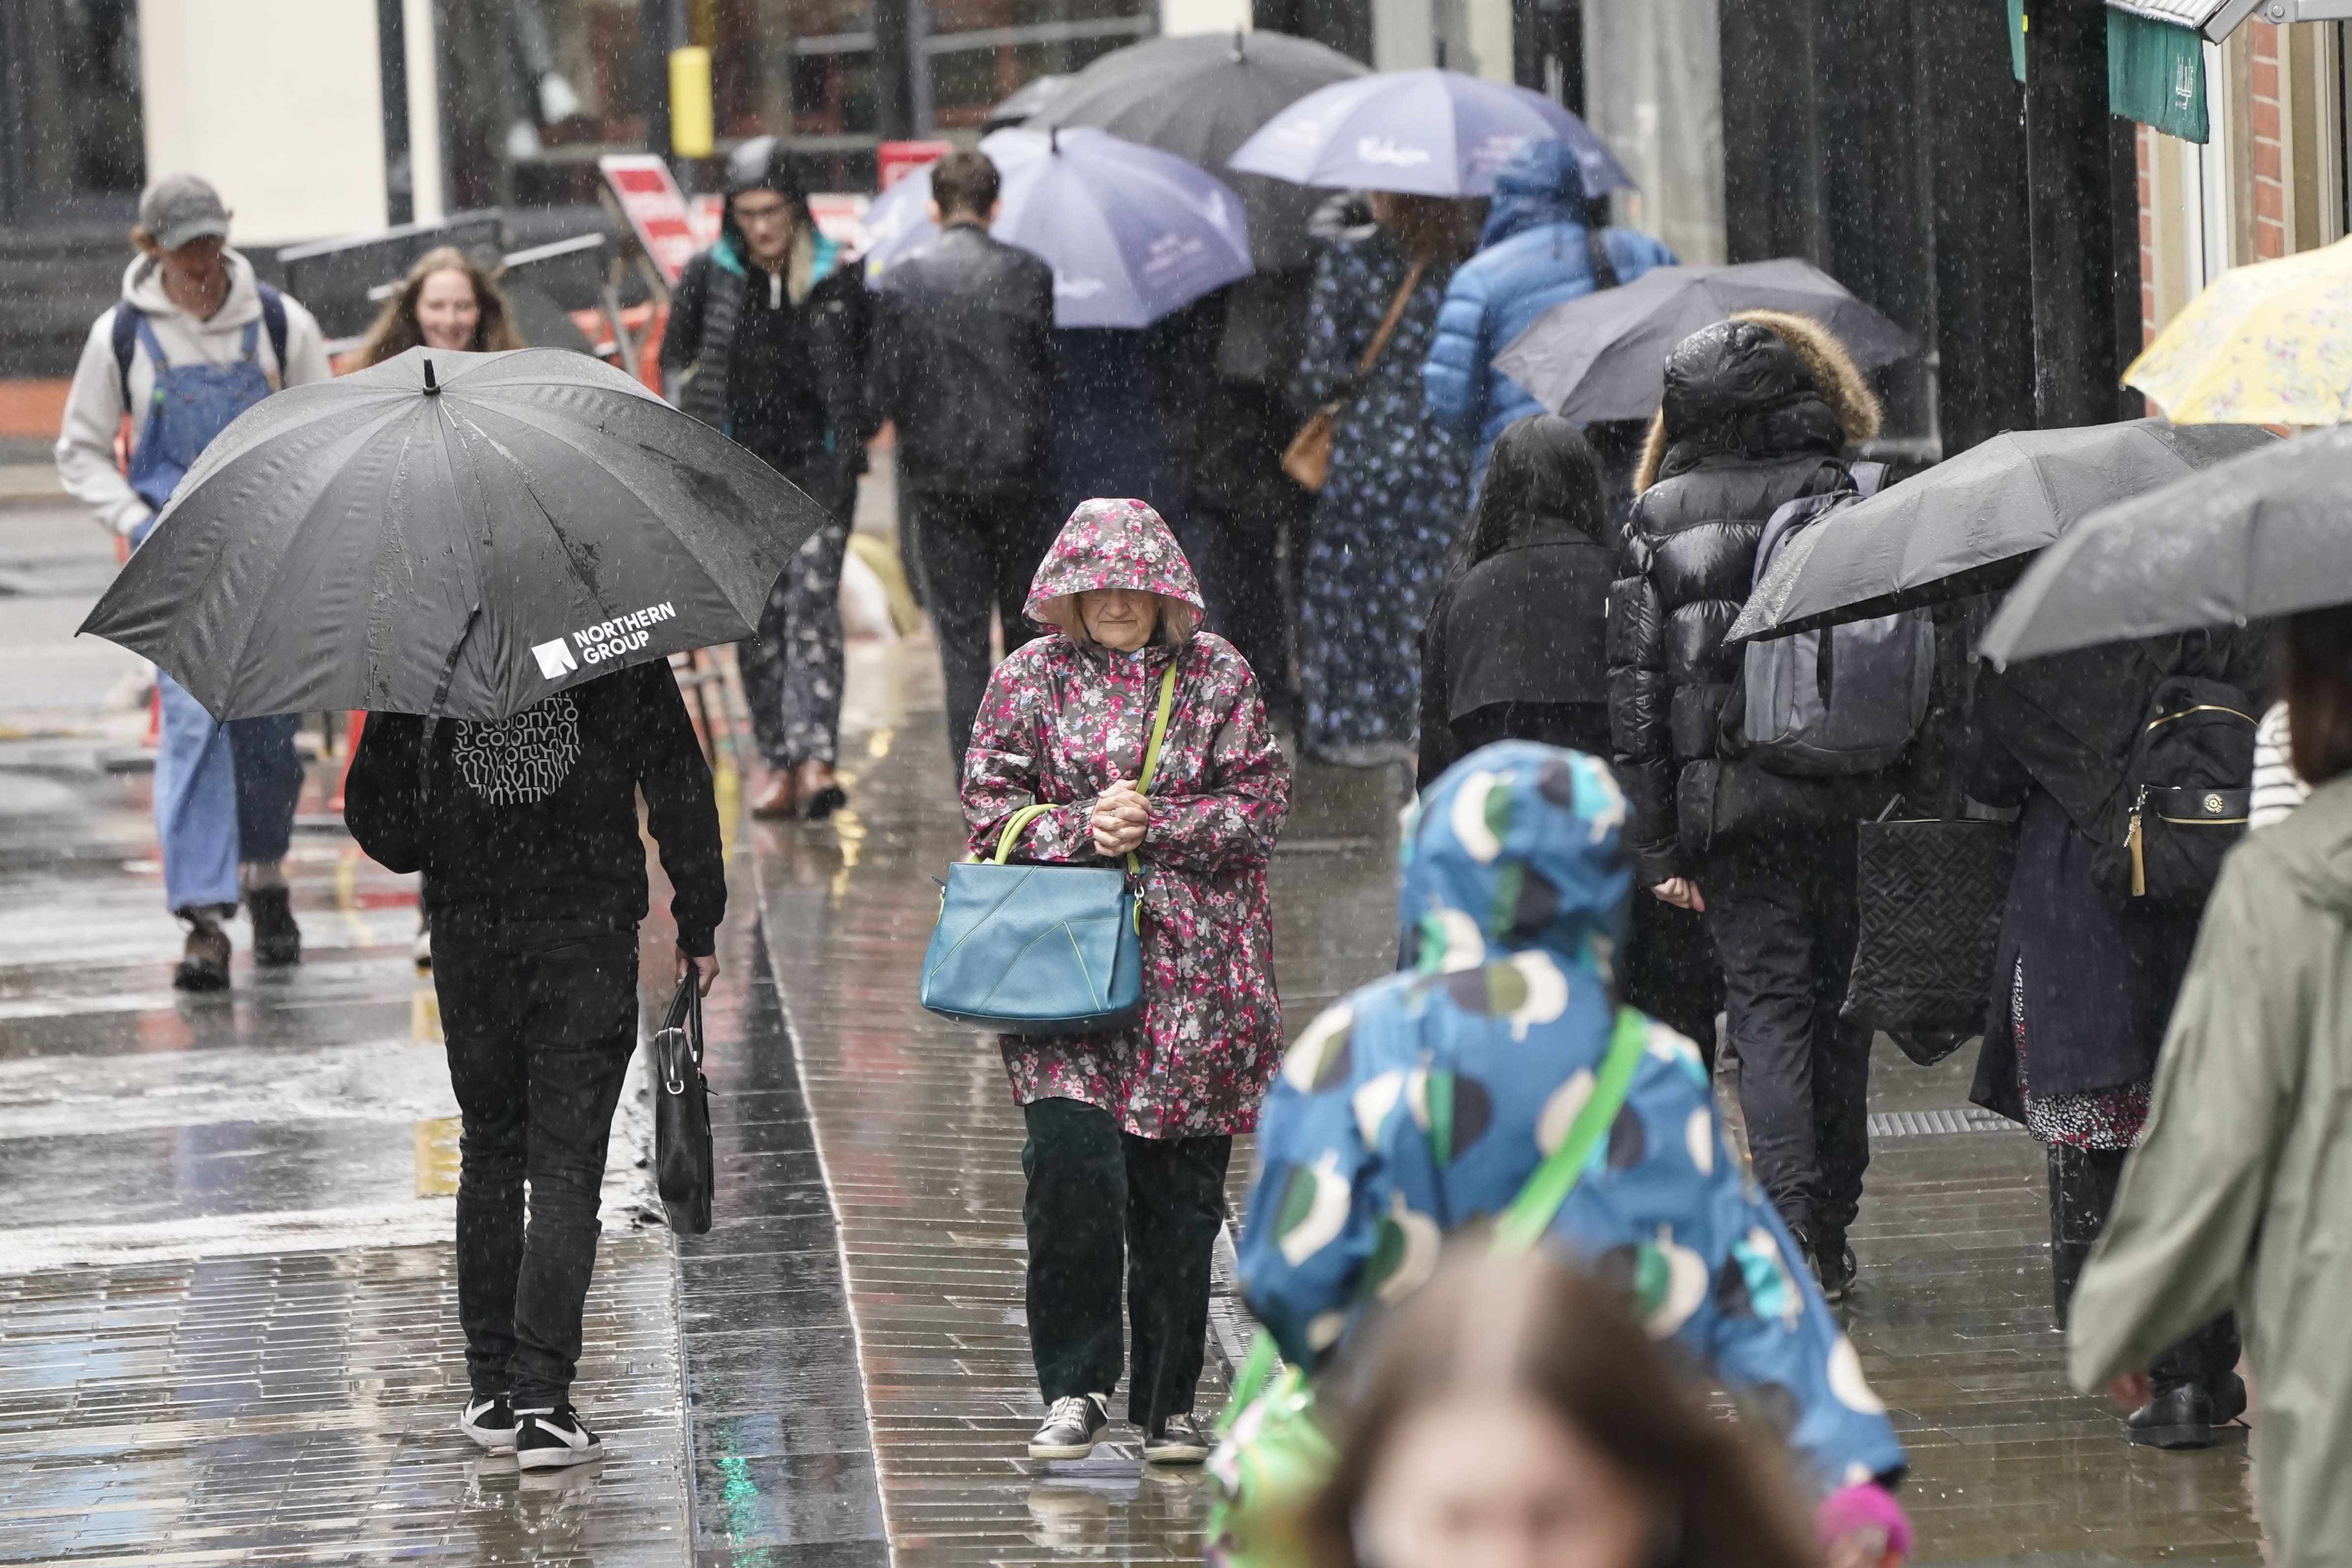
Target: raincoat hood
<point>1115,544</point>
<point>1516,847</point>
<point>2320,869</point>
<point>1762,384</point>
<point>1537,185</point>
<point>760,164</point>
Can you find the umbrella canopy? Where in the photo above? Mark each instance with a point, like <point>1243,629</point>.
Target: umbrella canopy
<point>1603,355</point>
<point>1131,233</point>
<point>451,534</point>
<point>2269,343</point>
<point>1025,100</point>
<point>1968,524</point>
<point>2260,535</point>
<point>1201,97</point>
<point>1428,133</point>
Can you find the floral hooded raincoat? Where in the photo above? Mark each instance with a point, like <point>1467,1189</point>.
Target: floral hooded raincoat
<point>1062,719</point>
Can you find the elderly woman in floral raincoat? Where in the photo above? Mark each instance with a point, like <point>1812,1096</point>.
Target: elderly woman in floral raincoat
<point>1423,1102</point>
<point>1129,1133</point>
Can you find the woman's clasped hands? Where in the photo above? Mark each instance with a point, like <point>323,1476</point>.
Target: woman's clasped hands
<point>1122,816</point>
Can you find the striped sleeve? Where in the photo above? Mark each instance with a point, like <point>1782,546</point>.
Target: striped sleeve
<point>2277,790</point>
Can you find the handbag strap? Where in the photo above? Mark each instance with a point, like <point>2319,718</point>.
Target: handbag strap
<point>1022,818</point>
<point>685,1014</point>
<point>1387,329</point>
<point>1531,1213</point>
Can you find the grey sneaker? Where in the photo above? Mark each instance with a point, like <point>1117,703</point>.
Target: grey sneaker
<point>1071,1429</point>
<point>1178,1441</point>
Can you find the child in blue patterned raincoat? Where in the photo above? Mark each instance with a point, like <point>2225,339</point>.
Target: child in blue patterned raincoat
<point>1423,1101</point>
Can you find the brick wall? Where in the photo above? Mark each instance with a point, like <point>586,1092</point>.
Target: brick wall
<point>2144,158</point>
<point>2269,143</point>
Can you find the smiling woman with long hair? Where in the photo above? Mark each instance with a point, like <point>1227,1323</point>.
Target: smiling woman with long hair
<point>447,301</point>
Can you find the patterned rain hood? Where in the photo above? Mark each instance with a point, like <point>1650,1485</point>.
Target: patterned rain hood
<point>1423,1102</point>
<point>1112,544</point>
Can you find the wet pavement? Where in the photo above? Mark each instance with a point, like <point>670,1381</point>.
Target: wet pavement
<point>226,1314</point>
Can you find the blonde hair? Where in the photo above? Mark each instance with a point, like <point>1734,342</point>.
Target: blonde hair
<point>1174,622</point>
<point>395,330</point>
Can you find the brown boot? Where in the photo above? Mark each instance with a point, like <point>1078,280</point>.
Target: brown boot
<point>778,798</point>
<point>820,793</point>
<point>204,963</point>
<point>276,938</point>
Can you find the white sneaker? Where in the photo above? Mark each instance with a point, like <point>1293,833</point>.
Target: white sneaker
<point>1072,1427</point>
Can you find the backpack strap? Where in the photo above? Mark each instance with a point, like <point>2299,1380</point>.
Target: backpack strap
<point>273,319</point>
<point>1532,1212</point>
<point>128,318</point>
<point>1869,478</point>
<point>1596,250</point>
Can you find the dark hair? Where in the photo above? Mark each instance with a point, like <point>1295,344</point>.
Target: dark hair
<point>964,181</point>
<point>2314,660</point>
<point>1542,468</point>
<point>1535,1327</point>
<point>395,330</point>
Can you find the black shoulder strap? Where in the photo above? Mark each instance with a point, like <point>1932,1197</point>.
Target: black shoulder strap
<point>1596,249</point>
<point>273,321</point>
<point>126,340</point>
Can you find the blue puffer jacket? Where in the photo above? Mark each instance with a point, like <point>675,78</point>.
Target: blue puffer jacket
<point>1423,1102</point>
<point>1532,255</point>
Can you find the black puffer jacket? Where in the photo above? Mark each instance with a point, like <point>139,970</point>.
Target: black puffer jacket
<point>1754,416</point>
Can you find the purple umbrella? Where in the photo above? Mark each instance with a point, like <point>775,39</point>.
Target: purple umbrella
<point>1430,132</point>
<point>1131,233</point>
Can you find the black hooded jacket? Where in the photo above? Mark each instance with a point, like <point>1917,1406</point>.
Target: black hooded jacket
<point>1745,428</point>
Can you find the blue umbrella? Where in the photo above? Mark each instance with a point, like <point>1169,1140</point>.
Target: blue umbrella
<point>1131,233</point>
<point>1429,132</point>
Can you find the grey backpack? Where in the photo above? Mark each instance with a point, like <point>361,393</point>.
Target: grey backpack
<point>1843,699</point>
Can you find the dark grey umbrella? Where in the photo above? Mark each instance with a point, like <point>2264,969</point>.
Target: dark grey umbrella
<point>2265,534</point>
<point>1023,101</point>
<point>527,521</point>
<point>1970,524</point>
<point>1201,97</point>
<point>1603,355</point>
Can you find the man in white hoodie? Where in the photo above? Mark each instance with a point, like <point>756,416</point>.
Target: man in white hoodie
<point>195,340</point>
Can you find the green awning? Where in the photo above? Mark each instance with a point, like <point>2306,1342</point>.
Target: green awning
<point>2017,39</point>
<point>2156,75</point>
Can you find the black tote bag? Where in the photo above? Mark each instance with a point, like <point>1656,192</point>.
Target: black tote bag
<point>1930,892</point>
<point>682,1165</point>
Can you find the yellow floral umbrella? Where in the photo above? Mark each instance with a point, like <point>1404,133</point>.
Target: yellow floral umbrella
<point>2269,343</point>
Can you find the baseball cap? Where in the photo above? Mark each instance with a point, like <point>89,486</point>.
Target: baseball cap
<point>178,208</point>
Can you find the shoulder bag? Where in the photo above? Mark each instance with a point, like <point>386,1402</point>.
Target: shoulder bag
<point>1308,458</point>
<point>1042,950</point>
<point>1273,1453</point>
<point>682,1163</point>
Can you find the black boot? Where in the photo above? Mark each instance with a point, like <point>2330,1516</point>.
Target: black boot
<point>276,938</point>
<point>2082,1190</point>
<point>204,963</point>
<point>2180,1417</point>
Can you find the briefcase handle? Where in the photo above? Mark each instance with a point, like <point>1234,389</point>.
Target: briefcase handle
<point>683,1026</point>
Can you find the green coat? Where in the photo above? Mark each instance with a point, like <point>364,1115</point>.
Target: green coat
<point>2241,1194</point>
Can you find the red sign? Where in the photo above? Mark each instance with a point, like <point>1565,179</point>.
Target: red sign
<point>894,160</point>
<point>656,210</point>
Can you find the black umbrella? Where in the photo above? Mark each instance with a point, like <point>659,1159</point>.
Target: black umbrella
<point>452,535</point>
<point>1023,101</point>
<point>1970,524</point>
<point>1603,355</point>
<point>2262,535</point>
<point>1201,97</point>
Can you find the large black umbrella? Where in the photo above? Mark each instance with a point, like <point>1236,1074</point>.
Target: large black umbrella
<point>1970,524</point>
<point>1603,355</point>
<point>2262,535</point>
<point>451,534</point>
<point>1201,97</point>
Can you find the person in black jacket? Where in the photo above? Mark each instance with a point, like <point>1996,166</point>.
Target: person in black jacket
<point>1757,412</point>
<point>1516,650</point>
<point>526,830</point>
<point>767,341</point>
<point>963,364</point>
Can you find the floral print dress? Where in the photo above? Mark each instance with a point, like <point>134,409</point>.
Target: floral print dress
<point>1061,720</point>
<point>1375,549</point>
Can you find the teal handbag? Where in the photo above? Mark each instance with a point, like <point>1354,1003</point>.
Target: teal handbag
<point>1041,950</point>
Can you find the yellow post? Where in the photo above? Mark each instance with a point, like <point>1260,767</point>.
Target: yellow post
<point>690,124</point>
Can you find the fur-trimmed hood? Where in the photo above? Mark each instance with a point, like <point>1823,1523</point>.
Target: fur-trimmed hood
<point>1763,384</point>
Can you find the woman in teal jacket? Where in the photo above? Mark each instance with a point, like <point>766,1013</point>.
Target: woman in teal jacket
<point>1421,1103</point>
<point>1534,253</point>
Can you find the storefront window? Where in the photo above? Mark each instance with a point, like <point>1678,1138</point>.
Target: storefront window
<point>71,135</point>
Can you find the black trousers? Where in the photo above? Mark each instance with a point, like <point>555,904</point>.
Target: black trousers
<point>2081,1193</point>
<point>1782,914</point>
<point>540,1023</point>
<point>1101,1199</point>
<point>1238,558</point>
<point>978,554</point>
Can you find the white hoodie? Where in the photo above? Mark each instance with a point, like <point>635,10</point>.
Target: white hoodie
<point>94,408</point>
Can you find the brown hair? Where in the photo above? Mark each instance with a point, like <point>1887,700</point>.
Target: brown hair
<point>1534,1326</point>
<point>964,181</point>
<point>2314,666</point>
<point>396,332</point>
<point>1431,229</point>
<point>1172,624</point>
